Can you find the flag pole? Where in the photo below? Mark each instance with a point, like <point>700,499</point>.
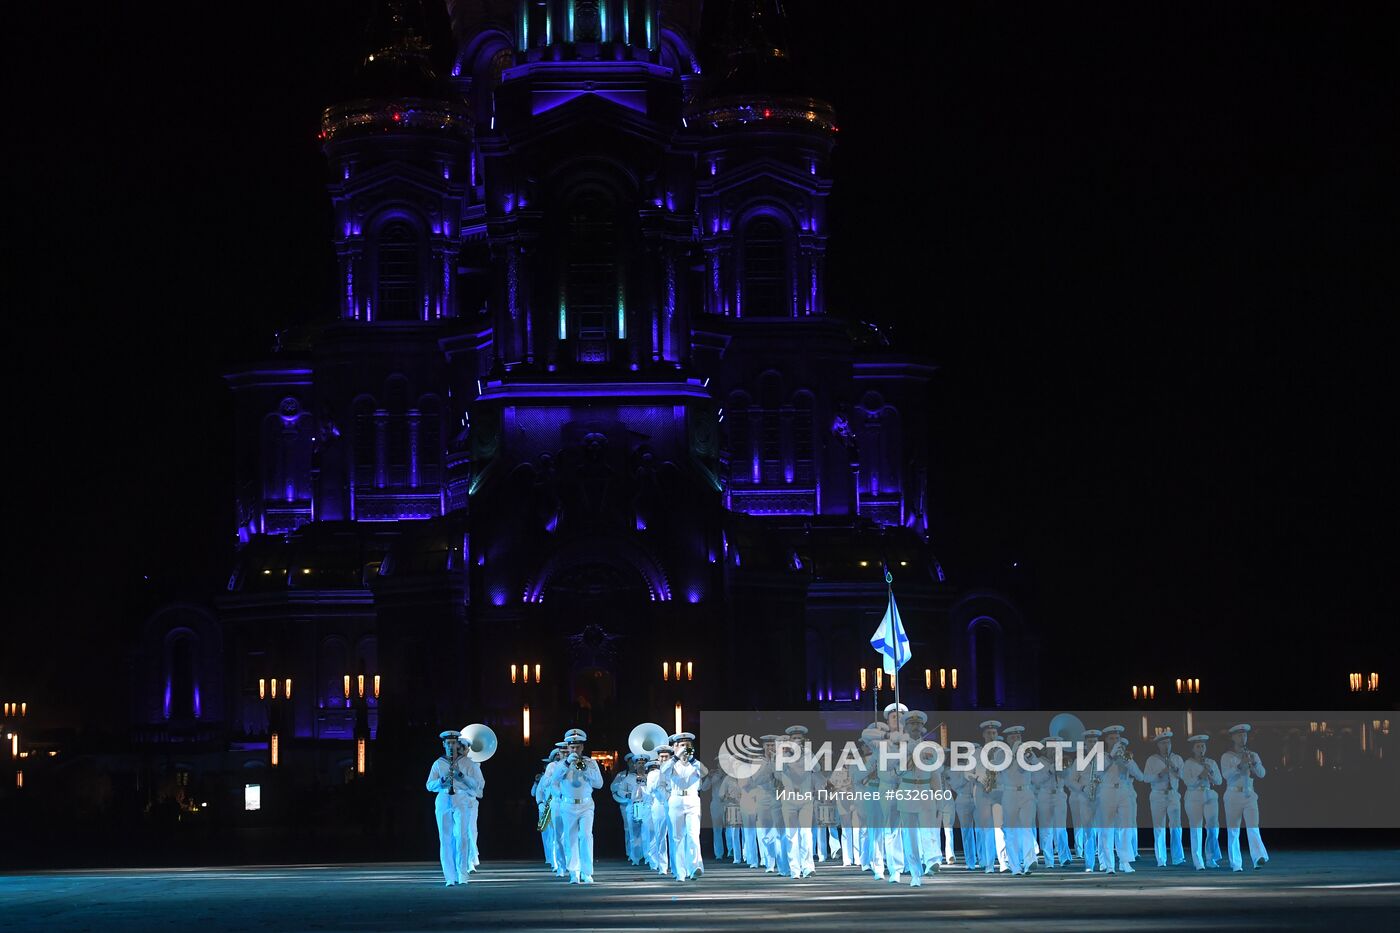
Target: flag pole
<point>894,638</point>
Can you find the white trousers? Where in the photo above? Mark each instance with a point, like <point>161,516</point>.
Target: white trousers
<point>1166,817</point>
<point>454,837</point>
<point>578,838</point>
<point>1242,805</point>
<point>684,816</point>
<point>1203,813</point>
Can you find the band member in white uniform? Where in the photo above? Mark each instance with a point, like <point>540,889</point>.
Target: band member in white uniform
<point>751,811</point>
<point>1163,771</point>
<point>1119,808</point>
<point>646,800</point>
<point>659,790</point>
<point>1051,807</point>
<point>1017,807</point>
<point>799,785</point>
<point>1241,767</point>
<point>936,814</point>
<point>554,790</point>
<point>991,842</point>
<point>1201,775</point>
<point>842,784</point>
<point>578,779</point>
<point>457,781</point>
<point>684,807</point>
<point>909,810</point>
<point>887,780</point>
<point>713,784</point>
<point>771,828</point>
<point>1084,807</point>
<point>623,788</point>
<point>960,782</point>
<point>1111,735</point>
<point>870,838</point>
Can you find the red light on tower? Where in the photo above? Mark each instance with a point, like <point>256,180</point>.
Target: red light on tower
<point>397,117</point>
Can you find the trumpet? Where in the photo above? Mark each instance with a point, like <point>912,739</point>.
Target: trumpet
<point>580,762</point>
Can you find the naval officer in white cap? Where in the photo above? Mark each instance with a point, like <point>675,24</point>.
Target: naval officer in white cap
<point>1119,807</point>
<point>623,789</point>
<point>578,779</point>
<point>1111,737</point>
<point>991,841</point>
<point>1163,772</point>
<point>1084,803</point>
<point>457,781</point>
<point>1018,806</point>
<point>1201,775</point>
<point>1051,807</point>
<point>1240,768</point>
<point>684,774</point>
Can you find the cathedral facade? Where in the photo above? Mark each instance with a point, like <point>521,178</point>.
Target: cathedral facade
<point>582,443</point>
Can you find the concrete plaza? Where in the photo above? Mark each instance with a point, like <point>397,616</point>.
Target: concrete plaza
<point>1338,889</point>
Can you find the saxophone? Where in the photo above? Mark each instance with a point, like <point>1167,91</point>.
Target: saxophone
<point>543,824</point>
<point>1092,792</point>
<point>990,784</point>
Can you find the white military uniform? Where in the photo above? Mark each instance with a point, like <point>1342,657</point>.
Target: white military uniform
<point>683,813</point>
<point>910,811</point>
<point>576,787</point>
<point>539,791</point>
<point>659,794</point>
<point>646,800</point>
<point>991,841</point>
<point>457,785</point>
<point>1018,808</point>
<point>1118,810</point>
<point>1051,809</point>
<point>961,782</point>
<point>800,786</point>
<point>1201,776</point>
<point>1164,774</point>
<point>623,786</point>
<point>1085,805</point>
<point>1129,833</point>
<point>1240,769</point>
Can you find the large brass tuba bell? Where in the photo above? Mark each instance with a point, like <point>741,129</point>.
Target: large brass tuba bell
<point>480,741</point>
<point>647,738</point>
<point>1067,726</point>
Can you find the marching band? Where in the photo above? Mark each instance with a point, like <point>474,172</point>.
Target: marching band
<point>787,819</point>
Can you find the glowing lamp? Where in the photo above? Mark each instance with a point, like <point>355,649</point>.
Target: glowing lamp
<point>525,725</point>
<point>537,673</point>
<point>862,678</point>
<point>347,686</point>
<point>376,686</point>
<point>690,671</point>
<point>273,748</point>
<point>678,717</point>
<point>360,685</point>
<point>359,756</point>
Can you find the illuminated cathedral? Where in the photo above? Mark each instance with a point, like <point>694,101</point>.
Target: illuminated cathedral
<point>579,440</point>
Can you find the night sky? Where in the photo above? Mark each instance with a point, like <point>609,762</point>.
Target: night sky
<point>1146,248</point>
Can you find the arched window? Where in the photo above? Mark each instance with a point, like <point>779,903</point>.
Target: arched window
<point>986,659</point>
<point>736,419</point>
<point>770,428</point>
<point>334,666</point>
<point>766,289</point>
<point>397,452</point>
<point>364,442</point>
<point>429,441</point>
<point>592,279</point>
<point>803,440</point>
<point>181,686</point>
<point>398,294</point>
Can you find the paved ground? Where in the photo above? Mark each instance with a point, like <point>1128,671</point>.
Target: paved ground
<point>1298,890</point>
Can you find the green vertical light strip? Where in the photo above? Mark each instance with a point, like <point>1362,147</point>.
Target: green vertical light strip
<point>626,22</point>
<point>603,20</point>
<point>621,315</point>
<point>570,34</point>
<point>548,25</point>
<point>524,25</point>
<point>563,320</point>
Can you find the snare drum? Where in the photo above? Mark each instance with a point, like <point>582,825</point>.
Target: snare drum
<point>732,815</point>
<point>637,810</point>
<point>826,814</point>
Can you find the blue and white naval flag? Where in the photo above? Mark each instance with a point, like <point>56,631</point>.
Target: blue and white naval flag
<point>889,639</point>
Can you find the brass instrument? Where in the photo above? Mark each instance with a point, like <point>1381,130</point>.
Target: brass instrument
<point>1092,792</point>
<point>990,784</point>
<point>480,741</point>
<point>543,824</point>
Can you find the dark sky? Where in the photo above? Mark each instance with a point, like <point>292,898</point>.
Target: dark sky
<point>1149,249</point>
